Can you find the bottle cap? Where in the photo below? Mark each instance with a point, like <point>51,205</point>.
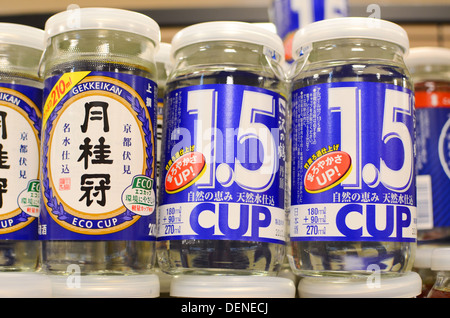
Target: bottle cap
<point>428,55</point>
<point>408,285</point>
<point>423,256</point>
<point>163,55</point>
<point>198,286</point>
<point>11,33</point>
<point>440,259</point>
<point>105,286</point>
<point>24,285</point>
<point>349,27</point>
<point>228,31</point>
<point>105,19</point>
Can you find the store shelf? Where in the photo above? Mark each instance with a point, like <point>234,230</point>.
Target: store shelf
<point>427,24</point>
<point>399,13</point>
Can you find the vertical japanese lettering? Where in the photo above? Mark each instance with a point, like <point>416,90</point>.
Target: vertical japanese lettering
<point>3,125</point>
<point>92,114</point>
<point>88,184</point>
<point>3,184</point>
<point>97,154</point>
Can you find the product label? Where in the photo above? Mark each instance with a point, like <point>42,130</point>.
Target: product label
<point>223,164</point>
<point>433,159</point>
<point>353,176</point>
<point>432,99</point>
<point>159,129</point>
<point>98,162</point>
<point>20,126</point>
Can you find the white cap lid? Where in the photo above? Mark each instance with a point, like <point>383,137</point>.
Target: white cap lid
<point>194,286</point>
<point>103,18</point>
<point>405,286</point>
<point>267,25</point>
<point>24,285</point>
<point>24,35</point>
<point>428,55</point>
<point>350,27</point>
<point>163,55</point>
<point>104,286</point>
<point>423,256</point>
<point>227,31</point>
<point>440,259</point>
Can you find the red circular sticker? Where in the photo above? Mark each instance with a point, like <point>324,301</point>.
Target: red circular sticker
<point>327,171</point>
<point>185,171</point>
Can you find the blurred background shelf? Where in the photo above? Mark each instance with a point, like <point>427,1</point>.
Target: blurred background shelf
<point>427,22</point>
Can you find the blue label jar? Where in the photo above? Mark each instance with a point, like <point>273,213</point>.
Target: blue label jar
<point>20,130</point>
<point>221,205</point>
<point>99,148</point>
<point>353,150</point>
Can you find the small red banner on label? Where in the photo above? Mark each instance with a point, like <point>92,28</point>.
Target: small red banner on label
<point>185,171</point>
<point>327,171</point>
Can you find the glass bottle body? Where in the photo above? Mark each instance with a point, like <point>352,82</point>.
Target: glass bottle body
<point>108,52</point>
<point>19,66</point>
<point>431,84</point>
<point>233,64</point>
<point>441,287</point>
<point>353,61</point>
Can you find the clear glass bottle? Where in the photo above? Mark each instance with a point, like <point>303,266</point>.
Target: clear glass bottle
<point>353,182</point>
<point>98,183</point>
<point>20,121</point>
<point>220,69</point>
<point>440,262</point>
<point>430,71</point>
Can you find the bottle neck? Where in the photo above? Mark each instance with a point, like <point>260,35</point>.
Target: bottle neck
<point>422,73</point>
<point>355,49</point>
<point>99,46</point>
<point>19,61</point>
<point>228,55</point>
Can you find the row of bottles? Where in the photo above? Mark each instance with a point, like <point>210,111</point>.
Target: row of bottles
<point>260,163</point>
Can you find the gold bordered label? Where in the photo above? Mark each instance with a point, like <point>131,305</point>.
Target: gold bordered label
<point>97,139</point>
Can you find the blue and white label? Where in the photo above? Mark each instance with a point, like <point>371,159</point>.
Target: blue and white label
<point>433,167</point>
<point>223,164</point>
<point>20,126</point>
<point>353,175</point>
<point>98,162</point>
